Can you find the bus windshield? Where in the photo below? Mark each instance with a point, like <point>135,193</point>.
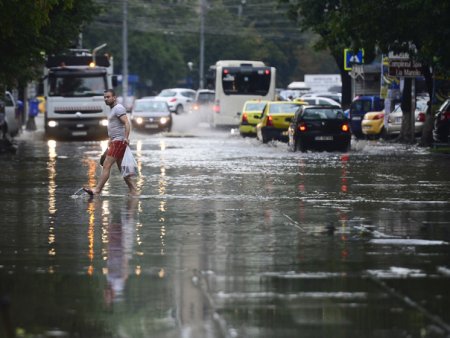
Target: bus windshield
<point>246,80</point>
<point>75,84</point>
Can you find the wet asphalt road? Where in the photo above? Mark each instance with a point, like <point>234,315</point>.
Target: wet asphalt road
<point>229,238</point>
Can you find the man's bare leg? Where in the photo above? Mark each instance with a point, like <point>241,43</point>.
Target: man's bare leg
<point>106,171</point>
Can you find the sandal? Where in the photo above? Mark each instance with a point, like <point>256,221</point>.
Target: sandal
<point>88,191</point>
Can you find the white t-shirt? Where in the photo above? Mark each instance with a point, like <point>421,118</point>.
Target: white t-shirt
<point>116,128</point>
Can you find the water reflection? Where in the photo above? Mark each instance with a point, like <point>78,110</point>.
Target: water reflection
<point>51,168</point>
<point>119,247</point>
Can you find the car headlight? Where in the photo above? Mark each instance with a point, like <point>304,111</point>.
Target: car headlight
<point>139,120</point>
<point>163,120</point>
<point>52,124</point>
<point>104,123</point>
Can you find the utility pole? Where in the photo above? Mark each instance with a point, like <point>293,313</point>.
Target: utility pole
<point>125,54</point>
<point>202,45</point>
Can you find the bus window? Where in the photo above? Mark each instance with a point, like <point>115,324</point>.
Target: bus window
<point>242,81</point>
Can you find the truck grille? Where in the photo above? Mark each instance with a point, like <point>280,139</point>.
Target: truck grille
<point>82,110</point>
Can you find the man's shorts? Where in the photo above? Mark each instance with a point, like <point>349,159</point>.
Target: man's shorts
<point>116,149</point>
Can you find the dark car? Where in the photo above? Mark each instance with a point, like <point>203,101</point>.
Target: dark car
<point>442,123</point>
<point>151,114</point>
<point>359,107</point>
<point>319,127</point>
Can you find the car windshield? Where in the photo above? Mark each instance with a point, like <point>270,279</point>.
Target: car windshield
<point>255,106</point>
<point>323,114</point>
<point>167,93</point>
<point>150,106</point>
<point>283,108</point>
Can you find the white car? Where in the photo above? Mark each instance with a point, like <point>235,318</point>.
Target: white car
<point>10,123</point>
<point>396,116</point>
<point>178,99</point>
<point>334,96</point>
<point>319,101</point>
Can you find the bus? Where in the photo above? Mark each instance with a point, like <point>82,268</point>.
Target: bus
<point>236,81</point>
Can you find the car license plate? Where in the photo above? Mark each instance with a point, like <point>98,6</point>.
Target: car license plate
<point>324,138</point>
<point>356,118</point>
<point>151,126</point>
<point>79,133</point>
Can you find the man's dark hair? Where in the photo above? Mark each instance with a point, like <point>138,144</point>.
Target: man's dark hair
<point>112,91</point>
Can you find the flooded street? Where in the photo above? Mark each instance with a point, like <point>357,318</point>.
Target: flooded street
<point>229,238</point>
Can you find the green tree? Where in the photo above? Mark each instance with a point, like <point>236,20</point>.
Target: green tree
<point>30,29</point>
<point>413,26</point>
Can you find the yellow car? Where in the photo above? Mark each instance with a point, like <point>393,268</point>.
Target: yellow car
<point>275,120</point>
<point>372,125</point>
<point>250,116</point>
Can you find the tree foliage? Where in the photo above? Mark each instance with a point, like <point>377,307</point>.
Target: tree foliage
<point>29,29</point>
<point>164,36</point>
<point>417,27</point>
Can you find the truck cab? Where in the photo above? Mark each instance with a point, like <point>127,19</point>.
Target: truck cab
<point>359,107</point>
<point>74,85</point>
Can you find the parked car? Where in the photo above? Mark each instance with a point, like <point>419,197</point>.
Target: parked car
<point>250,116</point>
<point>319,127</point>
<point>275,120</point>
<point>10,121</point>
<point>442,123</point>
<point>372,124</point>
<point>396,116</point>
<point>178,99</point>
<point>151,114</point>
<point>359,107</point>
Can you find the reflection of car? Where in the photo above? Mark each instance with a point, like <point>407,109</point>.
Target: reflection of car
<point>395,119</point>
<point>317,100</point>
<point>442,123</point>
<point>275,120</point>
<point>10,123</point>
<point>359,107</point>
<point>151,114</point>
<point>250,116</point>
<point>372,124</point>
<point>178,99</point>
<point>319,127</point>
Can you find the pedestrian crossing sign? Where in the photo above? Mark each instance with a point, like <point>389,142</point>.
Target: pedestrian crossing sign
<point>350,58</point>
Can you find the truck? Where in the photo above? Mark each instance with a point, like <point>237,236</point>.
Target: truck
<point>74,84</point>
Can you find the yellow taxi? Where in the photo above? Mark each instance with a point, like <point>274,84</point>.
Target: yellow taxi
<point>275,120</point>
<point>250,116</point>
<point>372,125</point>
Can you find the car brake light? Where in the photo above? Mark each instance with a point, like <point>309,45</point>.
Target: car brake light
<point>267,72</point>
<point>445,115</point>
<point>173,100</point>
<point>216,107</point>
<point>302,126</point>
<point>244,117</point>
<point>269,121</point>
<point>345,128</point>
<point>421,117</point>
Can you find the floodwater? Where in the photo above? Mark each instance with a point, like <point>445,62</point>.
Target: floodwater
<point>229,238</point>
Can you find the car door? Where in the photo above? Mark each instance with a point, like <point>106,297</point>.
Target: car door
<point>11,114</point>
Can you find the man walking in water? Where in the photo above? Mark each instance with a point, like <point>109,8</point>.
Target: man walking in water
<point>118,132</point>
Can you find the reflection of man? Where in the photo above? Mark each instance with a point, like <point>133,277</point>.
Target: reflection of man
<point>119,250</point>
